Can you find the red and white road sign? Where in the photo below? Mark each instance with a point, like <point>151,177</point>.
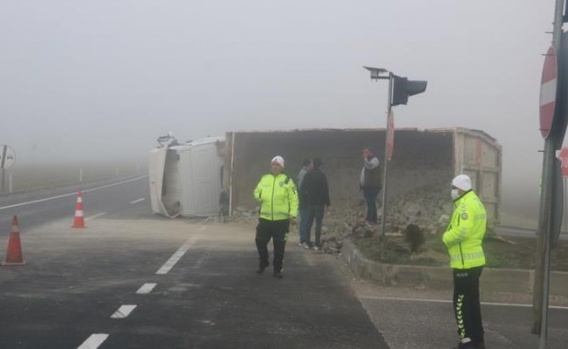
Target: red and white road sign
<point>390,136</point>
<point>548,85</point>
<point>563,156</point>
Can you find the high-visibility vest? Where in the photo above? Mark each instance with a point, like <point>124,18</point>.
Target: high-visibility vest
<point>277,196</point>
<point>464,235</point>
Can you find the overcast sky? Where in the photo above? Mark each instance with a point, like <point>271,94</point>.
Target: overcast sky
<point>103,79</point>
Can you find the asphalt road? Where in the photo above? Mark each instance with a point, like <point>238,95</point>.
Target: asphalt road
<point>135,280</point>
<point>132,279</point>
<point>40,207</point>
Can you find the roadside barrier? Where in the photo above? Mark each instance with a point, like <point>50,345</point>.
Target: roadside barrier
<point>79,221</point>
<point>14,255</point>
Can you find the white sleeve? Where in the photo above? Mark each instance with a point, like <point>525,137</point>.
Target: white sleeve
<point>374,163</point>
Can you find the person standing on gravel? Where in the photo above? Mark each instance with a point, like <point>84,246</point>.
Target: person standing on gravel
<point>278,199</point>
<point>315,193</point>
<point>303,213</point>
<point>370,183</point>
<point>463,239</point>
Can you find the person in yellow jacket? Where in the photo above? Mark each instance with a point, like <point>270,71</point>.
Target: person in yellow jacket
<point>464,238</point>
<point>278,198</point>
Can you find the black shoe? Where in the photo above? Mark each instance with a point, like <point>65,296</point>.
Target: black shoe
<point>261,268</point>
<point>278,274</point>
<point>479,345</point>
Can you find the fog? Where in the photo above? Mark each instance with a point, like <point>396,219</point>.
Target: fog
<point>101,80</point>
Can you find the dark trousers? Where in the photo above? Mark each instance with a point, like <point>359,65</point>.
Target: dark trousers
<point>303,225</point>
<point>371,200</point>
<point>466,303</point>
<point>278,231</point>
<point>314,212</point>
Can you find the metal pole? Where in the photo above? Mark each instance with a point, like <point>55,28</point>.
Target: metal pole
<point>545,221</point>
<point>564,206</point>
<point>558,21</point>
<point>2,165</point>
<point>231,174</point>
<point>386,161</point>
<point>543,263</point>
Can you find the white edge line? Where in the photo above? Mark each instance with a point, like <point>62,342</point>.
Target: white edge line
<point>123,311</point>
<point>146,288</point>
<point>95,216</point>
<point>449,301</point>
<point>70,194</point>
<point>137,201</point>
<point>94,341</point>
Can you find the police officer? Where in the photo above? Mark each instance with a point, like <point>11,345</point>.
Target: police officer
<point>463,239</point>
<point>278,200</point>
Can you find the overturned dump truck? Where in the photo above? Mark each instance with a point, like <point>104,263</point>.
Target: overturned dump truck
<point>186,179</point>
<point>421,159</point>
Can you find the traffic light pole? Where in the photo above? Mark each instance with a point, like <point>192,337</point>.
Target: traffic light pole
<point>400,88</point>
<point>386,162</point>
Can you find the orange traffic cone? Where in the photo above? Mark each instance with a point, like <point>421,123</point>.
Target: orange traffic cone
<point>14,255</point>
<point>79,221</point>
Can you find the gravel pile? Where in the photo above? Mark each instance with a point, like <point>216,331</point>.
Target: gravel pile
<point>425,209</point>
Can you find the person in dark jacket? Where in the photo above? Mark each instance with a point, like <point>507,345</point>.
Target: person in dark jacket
<point>370,183</point>
<point>303,210</point>
<point>315,192</point>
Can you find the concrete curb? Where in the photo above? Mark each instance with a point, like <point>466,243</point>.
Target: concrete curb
<point>492,280</point>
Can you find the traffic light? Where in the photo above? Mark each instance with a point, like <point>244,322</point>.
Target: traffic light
<point>403,88</point>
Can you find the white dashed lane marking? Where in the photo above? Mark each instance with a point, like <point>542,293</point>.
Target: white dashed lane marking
<point>146,288</point>
<point>94,341</point>
<point>123,311</point>
<point>176,256</point>
<point>137,201</point>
